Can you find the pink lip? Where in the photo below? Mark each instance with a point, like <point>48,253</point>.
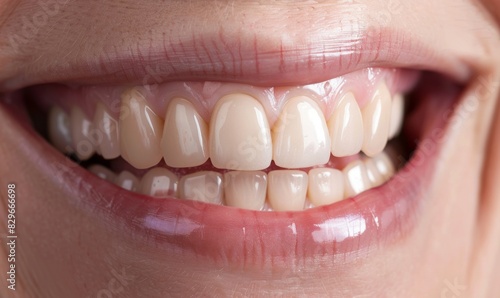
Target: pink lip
<point>338,233</point>
<point>248,61</point>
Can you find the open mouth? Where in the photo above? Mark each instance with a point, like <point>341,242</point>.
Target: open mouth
<point>247,173</point>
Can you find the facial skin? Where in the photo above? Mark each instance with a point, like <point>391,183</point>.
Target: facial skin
<point>65,251</point>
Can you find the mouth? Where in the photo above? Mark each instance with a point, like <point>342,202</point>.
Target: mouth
<point>266,169</point>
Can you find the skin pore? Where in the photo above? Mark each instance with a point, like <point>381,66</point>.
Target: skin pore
<point>65,250</point>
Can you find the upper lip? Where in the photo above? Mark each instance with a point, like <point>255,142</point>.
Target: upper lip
<point>231,57</point>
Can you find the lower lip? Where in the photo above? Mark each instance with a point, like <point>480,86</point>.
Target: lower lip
<point>341,232</point>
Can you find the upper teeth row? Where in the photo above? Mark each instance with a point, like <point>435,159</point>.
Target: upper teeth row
<point>238,136</point>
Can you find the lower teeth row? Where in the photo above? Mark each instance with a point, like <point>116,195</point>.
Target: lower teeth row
<point>278,190</point>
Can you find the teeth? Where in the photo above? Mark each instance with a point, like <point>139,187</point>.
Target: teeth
<point>140,131</point>
<point>300,135</point>
<point>59,130</point>
<point>102,172</point>
<point>184,141</point>
<point>202,186</point>
<point>356,178</point>
<point>287,190</point>
<point>326,186</point>
<point>245,190</point>
<point>346,127</point>
<point>397,115</point>
<point>376,121</point>
<point>159,182</point>
<point>109,146</point>
<point>80,132</point>
<point>240,137</point>
<point>127,180</point>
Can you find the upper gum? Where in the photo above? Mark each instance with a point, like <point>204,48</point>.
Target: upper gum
<point>204,95</point>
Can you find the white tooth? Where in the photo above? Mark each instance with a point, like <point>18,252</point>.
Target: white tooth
<point>202,186</point>
<point>375,177</point>
<point>127,180</point>
<point>240,138</point>
<point>81,127</point>
<point>185,134</point>
<point>107,126</point>
<point>103,172</point>
<point>397,115</point>
<point>140,131</point>
<point>384,165</point>
<point>59,130</point>
<point>300,135</point>
<point>356,178</point>
<point>245,189</point>
<point>159,182</point>
<point>376,121</point>
<point>287,189</point>
<point>326,186</point>
<point>346,127</point>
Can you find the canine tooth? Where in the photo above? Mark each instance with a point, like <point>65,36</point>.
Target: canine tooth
<point>300,135</point>
<point>326,186</point>
<point>127,180</point>
<point>202,186</point>
<point>80,131</point>
<point>103,172</point>
<point>184,140</point>
<point>245,189</point>
<point>140,131</point>
<point>286,190</point>
<point>397,115</point>
<point>59,130</point>
<point>374,175</point>
<point>240,138</point>
<point>159,182</point>
<point>346,127</point>
<point>376,121</point>
<point>355,178</point>
<point>107,127</point>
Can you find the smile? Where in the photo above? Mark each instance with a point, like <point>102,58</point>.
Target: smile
<point>270,169</point>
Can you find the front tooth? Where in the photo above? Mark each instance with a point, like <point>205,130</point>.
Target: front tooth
<point>376,121</point>
<point>80,131</point>
<point>346,127</point>
<point>326,186</point>
<point>356,178</point>
<point>240,138</point>
<point>127,180</point>
<point>140,131</point>
<point>245,189</point>
<point>300,135</point>
<point>397,113</point>
<point>59,130</point>
<point>287,190</point>
<point>202,186</point>
<point>159,182</point>
<point>103,172</point>
<point>109,145</point>
<point>184,141</point>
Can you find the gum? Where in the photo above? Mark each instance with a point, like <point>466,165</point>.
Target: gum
<point>204,95</point>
